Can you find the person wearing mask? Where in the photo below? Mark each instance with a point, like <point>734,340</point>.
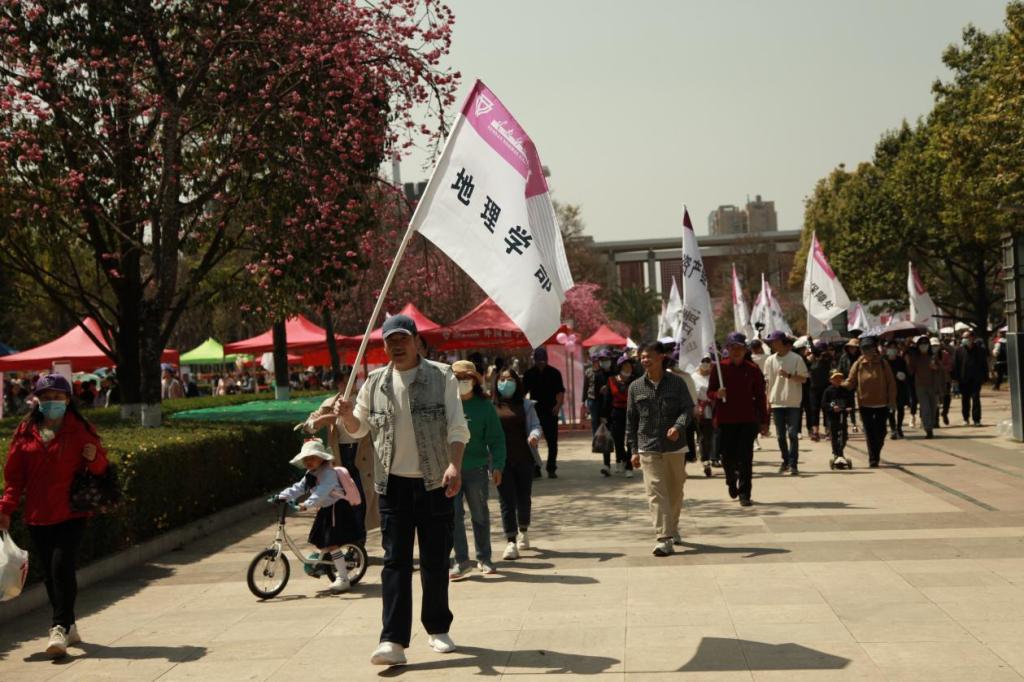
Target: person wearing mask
<point>874,385</point>
<point>52,444</point>
<point>1001,359</point>
<point>703,416</point>
<point>616,401</point>
<point>741,411</point>
<point>483,461</point>
<point>851,351</point>
<point>522,435</point>
<point>894,357</point>
<point>970,371</point>
<point>757,354</point>
<point>820,368</point>
<point>544,385</point>
<point>945,353</point>
<point>657,411</point>
<point>411,409</point>
<point>785,373</point>
<point>595,382</point>
<point>929,379</point>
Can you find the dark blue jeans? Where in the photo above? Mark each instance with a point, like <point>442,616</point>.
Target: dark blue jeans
<point>787,426</point>
<point>516,500</point>
<point>475,488</point>
<point>409,510</point>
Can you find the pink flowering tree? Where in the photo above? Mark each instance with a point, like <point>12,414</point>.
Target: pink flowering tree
<point>583,305</point>
<point>148,146</point>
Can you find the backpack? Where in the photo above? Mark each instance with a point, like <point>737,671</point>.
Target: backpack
<point>349,492</point>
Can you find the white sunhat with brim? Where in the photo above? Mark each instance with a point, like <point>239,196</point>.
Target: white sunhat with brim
<point>312,448</point>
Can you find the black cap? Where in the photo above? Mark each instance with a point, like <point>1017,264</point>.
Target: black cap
<point>398,324</point>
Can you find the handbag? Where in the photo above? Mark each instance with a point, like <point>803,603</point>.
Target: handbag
<point>602,440</point>
<point>94,494</point>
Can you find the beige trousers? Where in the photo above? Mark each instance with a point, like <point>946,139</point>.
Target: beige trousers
<point>664,477</point>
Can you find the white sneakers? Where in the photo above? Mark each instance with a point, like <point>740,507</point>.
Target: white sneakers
<point>619,467</point>
<point>455,572</point>
<point>629,473</point>
<point>524,541</point>
<point>388,653</point>
<point>486,567</point>
<point>442,644</point>
<point>73,636</point>
<point>340,584</point>
<point>511,551</point>
<point>663,548</point>
<point>58,644</point>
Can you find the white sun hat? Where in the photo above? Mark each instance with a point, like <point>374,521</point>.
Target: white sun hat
<point>314,447</point>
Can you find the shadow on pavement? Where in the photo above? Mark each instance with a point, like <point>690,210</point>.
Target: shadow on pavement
<point>488,662</point>
<point>552,554</point>
<point>711,656</point>
<point>705,508</point>
<point>172,654</point>
<point>748,552</point>
<point>539,578</point>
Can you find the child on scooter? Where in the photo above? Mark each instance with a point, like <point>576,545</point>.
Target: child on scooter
<point>333,493</point>
<point>835,402</point>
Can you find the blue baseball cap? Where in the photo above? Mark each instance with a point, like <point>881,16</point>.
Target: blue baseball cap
<point>398,324</point>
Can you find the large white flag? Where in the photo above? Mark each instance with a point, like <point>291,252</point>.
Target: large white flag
<point>487,207</point>
<point>824,296</point>
<point>767,313</point>
<point>922,308</point>
<point>696,333</point>
<point>740,312</point>
<point>672,312</point>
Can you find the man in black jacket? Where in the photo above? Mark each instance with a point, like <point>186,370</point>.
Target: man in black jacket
<point>970,370</point>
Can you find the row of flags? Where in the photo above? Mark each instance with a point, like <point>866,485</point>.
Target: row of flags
<point>487,206</point>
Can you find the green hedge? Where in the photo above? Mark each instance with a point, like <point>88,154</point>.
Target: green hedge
<point>180,473</point>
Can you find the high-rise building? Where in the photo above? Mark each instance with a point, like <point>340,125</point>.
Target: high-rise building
<point>761,216</point>
<point>727,220</point>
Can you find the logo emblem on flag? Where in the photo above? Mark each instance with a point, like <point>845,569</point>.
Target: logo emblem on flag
<point>482,105</point>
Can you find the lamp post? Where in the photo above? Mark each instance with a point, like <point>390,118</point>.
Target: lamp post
<point>1013,297</point>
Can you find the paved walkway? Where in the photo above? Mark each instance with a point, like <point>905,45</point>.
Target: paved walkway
<point>911,571</point>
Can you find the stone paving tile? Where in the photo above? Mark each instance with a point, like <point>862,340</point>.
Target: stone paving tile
<point>868,574</point>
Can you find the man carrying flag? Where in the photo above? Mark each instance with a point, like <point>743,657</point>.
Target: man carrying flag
<point>487,207</point>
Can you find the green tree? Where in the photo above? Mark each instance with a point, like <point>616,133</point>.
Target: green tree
<point>636,308</point>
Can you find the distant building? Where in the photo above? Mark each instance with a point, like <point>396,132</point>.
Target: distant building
<point>727,220</point>
<point>757,216</point>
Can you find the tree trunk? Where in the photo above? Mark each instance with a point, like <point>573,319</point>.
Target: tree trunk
<point>129,342</point>
<point>281,386</point>
<point>152,351</point>
<point>332,347</point>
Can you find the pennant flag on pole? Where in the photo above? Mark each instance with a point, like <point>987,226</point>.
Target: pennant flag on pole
<point>824,296</point>
<point>487,207</point>
<point>859,319</point>
<point>740,312</point>
<point>767,312</point>
<point>922,308</point>
<point>672,312</point>
<point>695,335</point>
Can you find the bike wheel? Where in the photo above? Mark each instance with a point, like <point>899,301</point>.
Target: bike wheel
<point>356,560</point>
<point>268,573</point>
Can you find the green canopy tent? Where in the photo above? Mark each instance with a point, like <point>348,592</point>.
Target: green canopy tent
<point>209,352</point>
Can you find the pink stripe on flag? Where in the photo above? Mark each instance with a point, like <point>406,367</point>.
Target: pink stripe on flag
<point>918,284</point>
<point>686,220</point>
<point>819,258</point>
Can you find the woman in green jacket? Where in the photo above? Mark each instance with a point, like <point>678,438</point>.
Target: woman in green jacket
<point>482,462</point>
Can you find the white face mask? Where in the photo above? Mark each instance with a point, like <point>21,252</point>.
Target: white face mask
<point>465,386</point>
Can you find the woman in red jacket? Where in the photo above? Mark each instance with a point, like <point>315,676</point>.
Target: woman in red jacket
<point>50,446</point>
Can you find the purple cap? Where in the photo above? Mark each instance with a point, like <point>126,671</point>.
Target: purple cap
<point>777,335</point>
<point>52,382</point>
<point>820,345</point>
<point>736,339</point>
<point>623,359</point>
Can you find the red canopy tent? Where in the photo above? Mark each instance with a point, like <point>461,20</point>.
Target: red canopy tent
<point>604,336</point>
<point>348,345</point>
<point>75,347</point>
<point>302,335</point>
<point>485,326</point>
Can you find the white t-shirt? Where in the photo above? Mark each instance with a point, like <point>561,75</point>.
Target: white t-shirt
<point>784,392</point>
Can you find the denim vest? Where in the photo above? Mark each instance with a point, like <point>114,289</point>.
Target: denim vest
<point>429,419</point>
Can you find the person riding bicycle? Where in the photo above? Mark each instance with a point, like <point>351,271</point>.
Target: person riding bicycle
<point>333,493</point>
<point>835,402</point>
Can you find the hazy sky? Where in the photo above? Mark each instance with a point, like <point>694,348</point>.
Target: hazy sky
<point>640,106</point>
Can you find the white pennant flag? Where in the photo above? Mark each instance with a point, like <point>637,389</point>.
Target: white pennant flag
<point>768,313</point>
<point>487,207</point>
<point>824,296</point>
<point>859,319</point>
<point>922,308</point>
<point>740,313</point>
<point>696,333</point>
<point>672,312</point>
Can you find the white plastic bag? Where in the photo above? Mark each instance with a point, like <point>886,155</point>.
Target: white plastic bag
<point>13,568</point>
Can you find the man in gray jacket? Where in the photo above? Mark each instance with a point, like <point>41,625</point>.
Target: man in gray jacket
<point>411,409</point>
<point>658,409</point>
